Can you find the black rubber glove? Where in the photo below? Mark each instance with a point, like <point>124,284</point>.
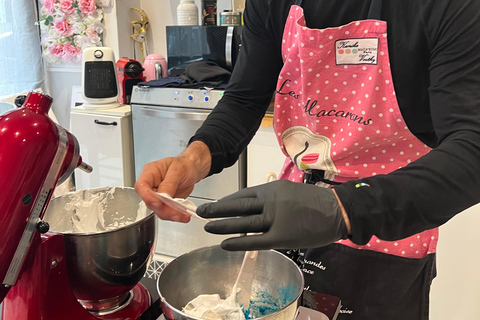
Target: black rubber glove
<point>287,214</point>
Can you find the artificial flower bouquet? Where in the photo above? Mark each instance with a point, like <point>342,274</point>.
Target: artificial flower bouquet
<point>68,26</point>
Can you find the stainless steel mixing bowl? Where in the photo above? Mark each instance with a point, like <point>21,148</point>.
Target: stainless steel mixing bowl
<point>104,266</point>
<point>277,285</point>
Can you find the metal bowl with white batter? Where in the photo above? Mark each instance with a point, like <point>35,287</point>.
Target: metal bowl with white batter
<point>277,285</point>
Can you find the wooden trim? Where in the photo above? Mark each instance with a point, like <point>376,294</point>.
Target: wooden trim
<point>267,121</point>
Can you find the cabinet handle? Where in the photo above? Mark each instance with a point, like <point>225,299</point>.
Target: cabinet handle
<point>229,46</point>
<point>175,114</point>
<point>114,123</point>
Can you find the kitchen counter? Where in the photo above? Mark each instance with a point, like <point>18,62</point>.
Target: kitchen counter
<point>154,312</point>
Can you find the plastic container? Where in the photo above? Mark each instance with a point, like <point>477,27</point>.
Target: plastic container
<point>187,13</point>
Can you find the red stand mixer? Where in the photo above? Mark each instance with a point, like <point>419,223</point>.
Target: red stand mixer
<point>51,275</point>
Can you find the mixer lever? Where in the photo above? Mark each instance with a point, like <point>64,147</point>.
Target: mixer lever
<point>85,167</point>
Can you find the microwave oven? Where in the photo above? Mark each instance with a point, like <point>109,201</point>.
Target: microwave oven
<point>187,44</point>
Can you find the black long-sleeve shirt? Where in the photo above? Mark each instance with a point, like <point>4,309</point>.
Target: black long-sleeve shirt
<point>434,48</point>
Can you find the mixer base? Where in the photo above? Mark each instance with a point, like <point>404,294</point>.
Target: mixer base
<point>139,303</point>
<point>43,292</point>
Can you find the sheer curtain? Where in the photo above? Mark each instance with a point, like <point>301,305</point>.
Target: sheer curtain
<point>21,63</point>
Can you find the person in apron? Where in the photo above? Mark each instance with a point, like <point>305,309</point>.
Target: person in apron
<point>338,122</point>
<point>381,279</point>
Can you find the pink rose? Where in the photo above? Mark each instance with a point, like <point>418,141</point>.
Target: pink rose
<point>63,28</point>
<point>56,50</point>
<point>48,5</point>
<point>70,52</point>
<point>90,31</point>
<point>66,6</point>
<point>87,7</point>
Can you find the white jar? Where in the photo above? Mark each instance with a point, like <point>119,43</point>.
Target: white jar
<point>187,13</point>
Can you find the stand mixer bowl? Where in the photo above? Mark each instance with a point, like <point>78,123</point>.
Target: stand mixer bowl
<point>109,237</point>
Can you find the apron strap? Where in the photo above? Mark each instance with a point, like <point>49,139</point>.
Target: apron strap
<point>314,176</point>
<point>375,11</point>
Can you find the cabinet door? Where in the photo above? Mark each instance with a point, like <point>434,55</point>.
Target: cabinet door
<point>105,144</point>
<point>263,156</point>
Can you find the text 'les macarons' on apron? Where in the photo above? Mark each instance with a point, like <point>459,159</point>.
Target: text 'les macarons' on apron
<point>336,111</point>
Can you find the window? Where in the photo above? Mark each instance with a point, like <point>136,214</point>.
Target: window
<point>21,64</point>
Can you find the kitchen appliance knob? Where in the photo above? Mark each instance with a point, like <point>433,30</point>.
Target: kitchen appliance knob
<point>98,54</point>
<point>43,226</point>
<point>19,100</point>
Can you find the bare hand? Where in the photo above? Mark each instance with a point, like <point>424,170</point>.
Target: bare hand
<point>175,176</point>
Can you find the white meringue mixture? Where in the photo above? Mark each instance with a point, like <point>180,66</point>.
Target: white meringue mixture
<point>212,307</point>
<point>94,211</point>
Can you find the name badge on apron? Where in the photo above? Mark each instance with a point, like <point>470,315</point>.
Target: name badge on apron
<point>356,51</point>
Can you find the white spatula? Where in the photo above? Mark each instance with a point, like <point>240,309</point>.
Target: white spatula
<point>179,204</point>
<point>243,285</point>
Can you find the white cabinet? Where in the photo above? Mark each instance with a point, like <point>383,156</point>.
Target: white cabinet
<point>263,154</point>
<point>105,139</point>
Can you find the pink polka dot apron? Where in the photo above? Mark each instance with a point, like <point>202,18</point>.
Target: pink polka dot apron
<point>337,119</point>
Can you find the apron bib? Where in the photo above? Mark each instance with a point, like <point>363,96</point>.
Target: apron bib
<point>336,113</point>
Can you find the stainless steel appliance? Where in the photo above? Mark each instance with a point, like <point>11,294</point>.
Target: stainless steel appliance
<point>163,120</point>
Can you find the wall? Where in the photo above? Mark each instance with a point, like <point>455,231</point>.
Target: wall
<point>455,293</point>
<point>164,13</point>
<point>60,79</point>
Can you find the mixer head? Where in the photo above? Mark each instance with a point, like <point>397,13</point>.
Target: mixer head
<point>35,155</point>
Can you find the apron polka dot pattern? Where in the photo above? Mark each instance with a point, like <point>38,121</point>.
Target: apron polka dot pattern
<point>336,110</point>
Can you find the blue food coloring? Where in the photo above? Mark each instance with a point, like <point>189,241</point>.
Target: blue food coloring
<point>267,302</point>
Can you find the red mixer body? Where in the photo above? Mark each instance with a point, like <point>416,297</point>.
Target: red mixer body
<point>43,292</point>
<point>35,155</point>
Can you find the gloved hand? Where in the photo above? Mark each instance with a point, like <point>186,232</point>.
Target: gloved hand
<point>287,214</point>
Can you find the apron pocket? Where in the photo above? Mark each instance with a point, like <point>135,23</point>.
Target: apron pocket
<point>371,285</point>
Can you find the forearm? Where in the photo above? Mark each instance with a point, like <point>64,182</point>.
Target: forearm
<point>421,196</point>
<point>431,190</point>
<point>236,118</point>
<point>199,154</point>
